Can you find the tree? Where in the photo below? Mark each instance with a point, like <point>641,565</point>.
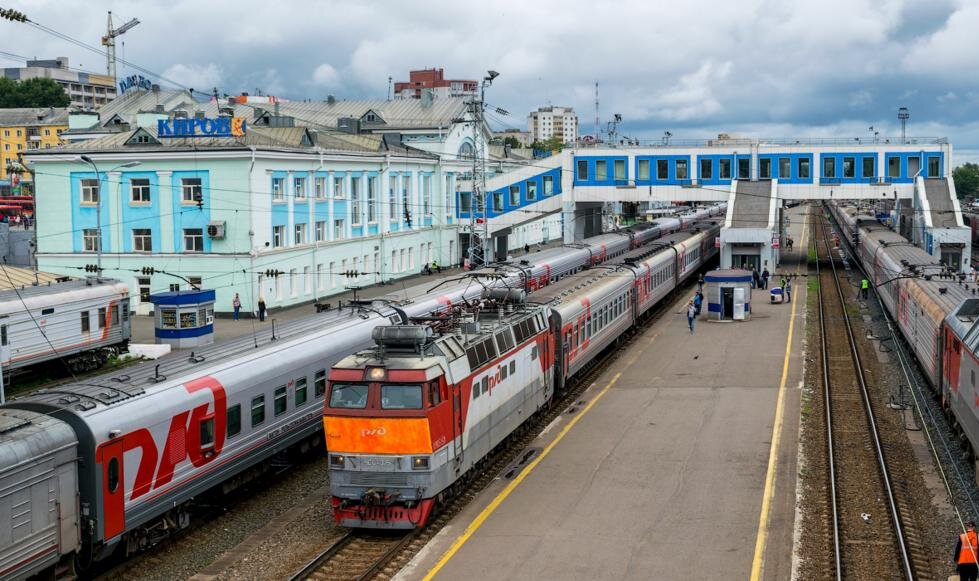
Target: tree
<point>513,142</point>
<point>554,143</point>
<point>40,92</point>
<point>966,178</point>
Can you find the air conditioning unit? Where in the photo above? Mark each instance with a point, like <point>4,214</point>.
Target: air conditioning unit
<point>215,229</point>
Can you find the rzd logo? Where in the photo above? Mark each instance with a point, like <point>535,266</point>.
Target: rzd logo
<point>366,432</point>
<point>183,439</point>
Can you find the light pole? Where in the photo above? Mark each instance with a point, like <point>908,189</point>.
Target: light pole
<point>479,249</point>
<point>903,114</point>
<point>98,203</point>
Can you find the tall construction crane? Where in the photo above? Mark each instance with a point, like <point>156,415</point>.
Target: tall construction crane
<point>109,42</point>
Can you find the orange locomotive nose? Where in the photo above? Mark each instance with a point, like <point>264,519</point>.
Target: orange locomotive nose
<point>361,435</point>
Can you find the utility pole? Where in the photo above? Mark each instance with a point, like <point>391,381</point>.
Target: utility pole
<point>479,239</point>
<point>109,42</point>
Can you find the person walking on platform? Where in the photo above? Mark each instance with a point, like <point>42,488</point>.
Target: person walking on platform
<point>965,555</point>
<point>787,289</point>
<point>788,242</point>
<point>755,281</point>
<point>700,282</point>
<point>864,287</point>
<point>526,248</point>
<point>698,301</point>
<point>691,315</point>
<point>436,267</point>
<point>764,278</point>
<point>261,307</point>
<point>236,305</point>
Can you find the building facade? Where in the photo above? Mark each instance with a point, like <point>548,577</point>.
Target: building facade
<point>86,90</point>
<point>434,81</point>
<point>548,122</point>
<point>22,131</point>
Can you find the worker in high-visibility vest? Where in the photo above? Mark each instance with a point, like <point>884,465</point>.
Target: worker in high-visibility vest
<point>965,554</point>
<point>864,287</point>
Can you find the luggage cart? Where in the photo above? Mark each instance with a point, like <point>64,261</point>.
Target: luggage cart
<point>776,295</point>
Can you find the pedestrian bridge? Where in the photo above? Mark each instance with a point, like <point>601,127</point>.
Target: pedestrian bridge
<point>755,177</point>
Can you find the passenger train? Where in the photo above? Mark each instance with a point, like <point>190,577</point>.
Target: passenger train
<point>936,311</point>
<point>408,421</point>
<point>146,441</point>
<point>80,322</point>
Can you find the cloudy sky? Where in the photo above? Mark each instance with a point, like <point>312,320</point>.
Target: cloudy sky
<point>767,68</point>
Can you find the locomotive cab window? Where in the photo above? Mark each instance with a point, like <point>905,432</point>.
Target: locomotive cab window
<point>434,394</point>
<point>348,395</point>
<point>401,397</point>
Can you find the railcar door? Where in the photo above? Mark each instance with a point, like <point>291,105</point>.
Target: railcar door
<point>109,457</point>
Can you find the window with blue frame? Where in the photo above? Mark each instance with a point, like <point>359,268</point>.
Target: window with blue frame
<point>548,185</point>
<point>497,202</point>
<point>601,170</point>
<point>784,168</point>
<point>531,190</point>
<point>829,167</point>
<point>706,169</point>
<point>642,170</point>
<point>803,168</point>
<point>724,165</point>
<point>619,167</point>
<point>744,168</point>
<point>893,166</point>
<point>934,166</point>
<point>765,168</point>
<point>514,195</point>
<point>681,169</point>
<point>582,173</point>
<point>868,167</point>
<point>662,169</point>
<point>849,167</point>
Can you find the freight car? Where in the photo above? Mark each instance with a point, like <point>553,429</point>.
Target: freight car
<point>154,437</point>
<point>409,420</point>
<point>81,322</point>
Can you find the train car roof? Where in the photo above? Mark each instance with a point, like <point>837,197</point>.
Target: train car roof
<point>26,435</point>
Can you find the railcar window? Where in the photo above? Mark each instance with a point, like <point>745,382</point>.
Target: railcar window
<point>401,397</point>
<point>281,401</point>
<point>347,395</point>
<point>485,384</point>
<point>113,475</point>
<point>47,311</point>
<point>234,420</point>
<point>3,335</point>
<point>85,322</point>
<point>125,312</point>
<point>101,317</point>
<point>207,433</point>
<point>258,410</point>
<point>503,372</point>
<point>319,383</point>
<point>300,391</point>
<point>533,353</point>
<point>513,367</point>
<point>475,390</point>
<point>115,316</point>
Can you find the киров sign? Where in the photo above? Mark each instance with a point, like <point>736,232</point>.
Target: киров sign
<point>207,127</point>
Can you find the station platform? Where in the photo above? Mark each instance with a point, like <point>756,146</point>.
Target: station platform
<point>681,462</point>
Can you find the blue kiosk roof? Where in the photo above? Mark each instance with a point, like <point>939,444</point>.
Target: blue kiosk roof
<point>183,297</point>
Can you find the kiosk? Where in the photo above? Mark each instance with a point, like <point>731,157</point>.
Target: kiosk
<point>728,294</point>
<point>184,319</point>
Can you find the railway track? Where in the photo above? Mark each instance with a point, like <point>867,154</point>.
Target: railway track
<point>869,519</point>
<point>387,558</point>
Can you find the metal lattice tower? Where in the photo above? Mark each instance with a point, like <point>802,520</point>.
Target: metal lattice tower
<point>479,238</point>
<point>109,42</point>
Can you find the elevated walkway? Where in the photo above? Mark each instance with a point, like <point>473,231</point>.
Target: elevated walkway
<point>749,238</point>
<point>939,228</point>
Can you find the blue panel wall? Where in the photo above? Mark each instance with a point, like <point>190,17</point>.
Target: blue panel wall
<point>671,174</point>
<point>140,215</point>
<point>84,217</point>
<point>858,176</point>
<point>794,176</point>
<point>188,215</point>
<point>551,175</point>
<point>608,179</point>
<point>715,178</point>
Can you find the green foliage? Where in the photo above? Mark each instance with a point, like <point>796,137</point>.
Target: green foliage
<point>513,142</point>
<point>553,144</point>
<point>32,93</point>
<point>966,178</point>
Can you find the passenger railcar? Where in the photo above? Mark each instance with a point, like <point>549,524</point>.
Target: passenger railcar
<point>153,437</point>
<point>409,419</point>
<point>81,322</point>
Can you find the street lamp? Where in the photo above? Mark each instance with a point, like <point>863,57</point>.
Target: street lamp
<point>903,114</point>
<point>98,202</point>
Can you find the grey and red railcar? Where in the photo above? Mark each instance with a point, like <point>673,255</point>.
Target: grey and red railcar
<point>408,420</point>
<point>146,441</point>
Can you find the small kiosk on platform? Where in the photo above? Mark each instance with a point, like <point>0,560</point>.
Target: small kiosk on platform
<point>728,294</point>
<point>184,319</point>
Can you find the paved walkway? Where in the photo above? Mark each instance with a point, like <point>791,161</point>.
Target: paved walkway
<point>665,472</point>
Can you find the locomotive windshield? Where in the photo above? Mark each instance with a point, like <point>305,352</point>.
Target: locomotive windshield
<point>349,395</point>
<point>401,397</point>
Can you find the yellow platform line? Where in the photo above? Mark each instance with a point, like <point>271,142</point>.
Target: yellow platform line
<point>761,540</point>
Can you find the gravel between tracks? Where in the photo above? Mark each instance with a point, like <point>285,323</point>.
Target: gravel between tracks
<point>914,479</point>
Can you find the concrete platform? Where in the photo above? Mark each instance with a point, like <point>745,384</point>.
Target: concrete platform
<point>666,472</point>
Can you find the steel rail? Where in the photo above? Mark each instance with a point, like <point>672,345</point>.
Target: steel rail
<point>908,570</point>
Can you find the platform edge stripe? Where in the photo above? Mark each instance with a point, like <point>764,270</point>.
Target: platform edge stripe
<point>757,563</point>
<point>491,508</point>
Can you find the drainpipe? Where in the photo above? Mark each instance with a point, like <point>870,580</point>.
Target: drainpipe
<point>312,257</point>
<point>253,279</point>
<point>386,171</point>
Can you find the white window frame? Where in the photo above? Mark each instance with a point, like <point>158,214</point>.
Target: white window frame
<point>319,187</point>
<point>90,240</point>
<point>333,274</point>
<point>278,236</point>
<point>187,190</point>
<point>427,195</point>
<point>188,235</point>
<point>299,187</point>
<point>320,277</point>
<point>339,229</point>
<point>307,281</point>
<point>372,200</point>
<point>392,203</point>
<point>142,242</point>
<point>300,234</point>
<point>278,189</point>
<point>338,187</point>
<point>90,191</point>
<point>320,231</point>
<point>140,194</point>
<point>355,217</point>
<point>293,283</point>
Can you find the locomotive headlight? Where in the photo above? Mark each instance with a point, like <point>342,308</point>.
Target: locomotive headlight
<point>375,374</point>
<point>419,462</point>
<point>336,460</point>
